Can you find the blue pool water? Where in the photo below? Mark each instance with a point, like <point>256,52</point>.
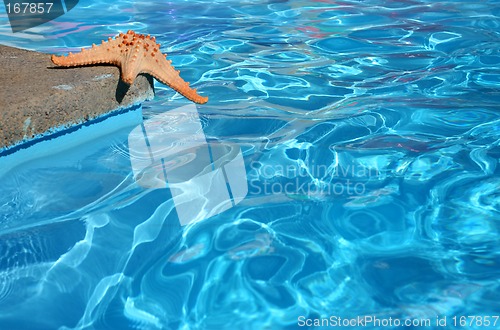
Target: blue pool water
<point>370,136</point>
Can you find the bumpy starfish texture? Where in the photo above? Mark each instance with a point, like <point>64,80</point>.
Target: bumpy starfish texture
<point>133,53</point>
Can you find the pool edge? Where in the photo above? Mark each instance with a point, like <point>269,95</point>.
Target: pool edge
<point>38,100</point>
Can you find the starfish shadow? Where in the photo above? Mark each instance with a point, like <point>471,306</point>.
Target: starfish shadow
<point>121,90</point>
<point>122,87</point>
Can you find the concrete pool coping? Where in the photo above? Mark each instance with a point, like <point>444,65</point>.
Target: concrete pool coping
<point>37,98</point>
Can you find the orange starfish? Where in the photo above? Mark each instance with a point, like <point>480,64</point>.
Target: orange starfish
<point>133,53</point>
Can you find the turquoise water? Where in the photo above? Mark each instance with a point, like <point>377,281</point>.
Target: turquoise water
<point>369,132</point>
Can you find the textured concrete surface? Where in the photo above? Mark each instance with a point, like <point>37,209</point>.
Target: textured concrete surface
<point>36,96</point>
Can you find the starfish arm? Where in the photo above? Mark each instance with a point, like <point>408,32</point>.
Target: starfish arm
<point>160,68</point>
<point>96,54</point>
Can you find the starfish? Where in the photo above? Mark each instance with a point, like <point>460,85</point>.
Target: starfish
<point>134,53</point>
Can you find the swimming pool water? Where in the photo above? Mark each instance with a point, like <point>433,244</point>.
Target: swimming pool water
<point>370,134</point>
